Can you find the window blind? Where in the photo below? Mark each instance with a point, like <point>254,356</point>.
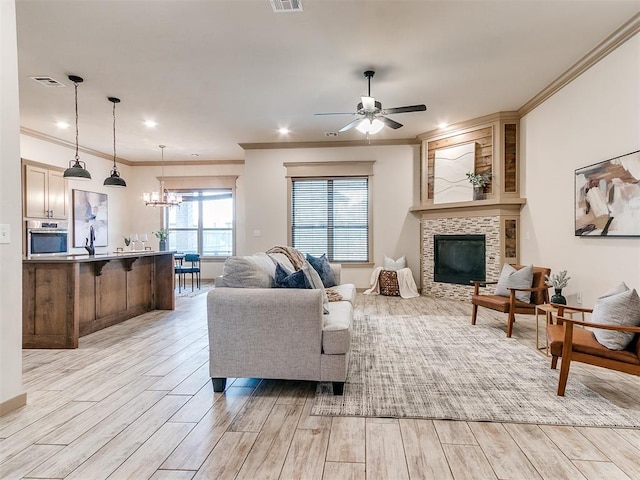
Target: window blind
<point>331,216</point>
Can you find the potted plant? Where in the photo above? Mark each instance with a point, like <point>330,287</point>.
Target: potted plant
<point>162,235</point>
<point>558,281</point>
<point>479,181</point>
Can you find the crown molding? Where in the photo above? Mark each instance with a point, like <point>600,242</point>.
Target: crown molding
<point>604,48</point>
<point>457,128</point>
<point>329,144</point>
<point>179,163</point>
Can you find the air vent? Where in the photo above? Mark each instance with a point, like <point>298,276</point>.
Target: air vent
<point>330,134</point>
<point>48,81</point>
<point>286,5</point>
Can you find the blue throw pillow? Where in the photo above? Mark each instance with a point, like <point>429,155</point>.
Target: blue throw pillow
<point>284,279</point>
<point>321,265</point>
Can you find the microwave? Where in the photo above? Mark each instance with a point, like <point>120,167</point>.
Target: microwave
<point>47,237</point>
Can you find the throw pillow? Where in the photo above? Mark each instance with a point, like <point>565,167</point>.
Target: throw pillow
<point>316,283</point>
<point>322,266</point>
<point>621,308</point>
<point>391,264</point>
<point>512,278</point>
<point>282,259</point>
<point>245,272</point>
<point>285,279</point>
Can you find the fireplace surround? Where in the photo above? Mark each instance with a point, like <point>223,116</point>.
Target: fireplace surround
<point>459,258</point>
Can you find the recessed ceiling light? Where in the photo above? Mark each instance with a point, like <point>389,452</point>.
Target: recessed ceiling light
<point>443,125</point>
<point>150,123</point>
<point>62,125</point>
<point>283,130</point>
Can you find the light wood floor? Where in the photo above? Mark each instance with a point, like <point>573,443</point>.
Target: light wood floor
<point>135,401</point>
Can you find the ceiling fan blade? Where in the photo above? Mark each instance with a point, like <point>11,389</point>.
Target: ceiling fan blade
<point>390,123</point>
<point>407,109</point>
<point>334,113</point>
<point>350,125</point>
<point>368,103</point>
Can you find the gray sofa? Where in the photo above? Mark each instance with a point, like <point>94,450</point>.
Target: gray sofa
<point>279,333</point>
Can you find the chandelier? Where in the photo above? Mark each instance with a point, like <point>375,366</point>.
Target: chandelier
<point>163,198</point>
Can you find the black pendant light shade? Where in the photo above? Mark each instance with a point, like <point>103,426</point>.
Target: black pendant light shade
<point>77,169</point>
<point>114,180</point>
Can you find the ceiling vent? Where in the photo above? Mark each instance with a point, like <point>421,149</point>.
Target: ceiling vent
<point>330,134</point>
<point>286,5</point>
<point>48,81</point>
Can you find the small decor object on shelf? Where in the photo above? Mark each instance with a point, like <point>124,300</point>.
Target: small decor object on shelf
<point>163,235</point>
<point>479,181</point>
<point>558,281</point>
<point>127,241</point>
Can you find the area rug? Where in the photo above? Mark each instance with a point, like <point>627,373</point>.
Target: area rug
<point>440,367</point>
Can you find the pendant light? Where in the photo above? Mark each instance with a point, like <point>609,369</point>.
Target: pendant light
<point>163,198</point>
<point>77,169</point>
<point>114,180</point>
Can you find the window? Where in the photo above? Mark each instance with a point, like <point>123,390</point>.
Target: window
<point>203,223</point>
<point>331,215</point>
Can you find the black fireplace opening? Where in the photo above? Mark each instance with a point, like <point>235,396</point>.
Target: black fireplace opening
<point>459,258</point>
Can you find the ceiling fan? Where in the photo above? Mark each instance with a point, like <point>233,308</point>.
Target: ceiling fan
<point>371,117</point>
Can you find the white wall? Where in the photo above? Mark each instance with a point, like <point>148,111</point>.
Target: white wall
<point>395,189</point>
<point>10,212</point>
<point>594,118</point>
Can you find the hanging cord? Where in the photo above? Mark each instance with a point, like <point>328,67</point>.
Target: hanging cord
<point>114,136</point>
<point>76,94</point>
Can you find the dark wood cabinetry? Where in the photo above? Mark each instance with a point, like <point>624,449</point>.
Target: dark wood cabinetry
<point>65,298</point>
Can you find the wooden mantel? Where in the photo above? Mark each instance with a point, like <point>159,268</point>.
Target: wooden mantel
<point>473,208</point>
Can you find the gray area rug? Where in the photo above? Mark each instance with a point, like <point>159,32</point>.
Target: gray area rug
<point>440,367</point>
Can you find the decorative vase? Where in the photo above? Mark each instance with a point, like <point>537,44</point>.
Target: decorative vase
<point>478,193</point>
<point>558,298</point>
<point>162,245</point>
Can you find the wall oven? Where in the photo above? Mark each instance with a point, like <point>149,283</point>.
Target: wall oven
<point>47,237</point>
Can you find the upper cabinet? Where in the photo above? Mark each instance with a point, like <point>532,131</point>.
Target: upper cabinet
<point>45,192</point>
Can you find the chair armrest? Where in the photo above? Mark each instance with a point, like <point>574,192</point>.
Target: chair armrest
<point>620,328</point>
<point>482,284</point>
<point>562,307</point>
<point>531,289</point>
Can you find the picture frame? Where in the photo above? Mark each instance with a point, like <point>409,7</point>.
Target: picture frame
<point>607,198</point>
<point>90,209</point>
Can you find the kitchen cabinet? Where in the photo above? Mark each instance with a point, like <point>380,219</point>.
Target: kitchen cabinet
<point>45,192</point>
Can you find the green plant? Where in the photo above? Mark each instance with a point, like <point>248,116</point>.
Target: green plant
<point>478,179</point>
<point>162,234</point>
<point>557,280</point>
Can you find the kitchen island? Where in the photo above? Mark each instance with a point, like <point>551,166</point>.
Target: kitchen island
<point>67,297</point>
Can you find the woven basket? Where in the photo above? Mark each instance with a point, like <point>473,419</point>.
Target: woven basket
<point>388,281</point>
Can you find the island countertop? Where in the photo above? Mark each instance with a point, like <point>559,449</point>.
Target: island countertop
<point>85,257</point>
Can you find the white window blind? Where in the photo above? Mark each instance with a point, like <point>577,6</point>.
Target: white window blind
<point>331,216</point>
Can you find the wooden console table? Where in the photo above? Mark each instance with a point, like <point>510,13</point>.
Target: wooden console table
<point>67,297</point>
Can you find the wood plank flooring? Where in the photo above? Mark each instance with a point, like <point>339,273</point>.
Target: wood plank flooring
<point>135,401</point>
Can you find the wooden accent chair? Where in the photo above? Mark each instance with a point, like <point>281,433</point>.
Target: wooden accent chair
<point>539,294</point>
<point>580,345</point>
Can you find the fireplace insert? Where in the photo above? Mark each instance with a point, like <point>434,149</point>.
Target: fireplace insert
<point>459,258</point>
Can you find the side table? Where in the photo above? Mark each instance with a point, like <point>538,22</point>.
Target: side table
<point>548,310</point>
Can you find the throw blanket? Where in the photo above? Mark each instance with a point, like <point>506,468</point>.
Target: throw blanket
<point>298,260</point>
<point>406,284</point>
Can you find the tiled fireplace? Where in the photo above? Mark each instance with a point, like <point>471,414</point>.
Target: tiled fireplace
<point>498,224</point>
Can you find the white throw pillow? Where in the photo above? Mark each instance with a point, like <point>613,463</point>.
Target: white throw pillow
<point>619,306</point>
<point>512,278</point>
<point>395,265</point>
<point>246,272</point>
<point>316,283</point>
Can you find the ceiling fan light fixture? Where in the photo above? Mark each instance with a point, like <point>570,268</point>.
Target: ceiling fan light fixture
<point>369,104</point>
<point>77,170</point>
<point>370,127</point>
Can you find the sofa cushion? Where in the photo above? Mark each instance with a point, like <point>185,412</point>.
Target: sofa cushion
<point>347,291</point>
<point>322,266</point>
<point>616,307</point>
<point>512,278</point>
<point>336,328</point>
<point>247,272</point>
